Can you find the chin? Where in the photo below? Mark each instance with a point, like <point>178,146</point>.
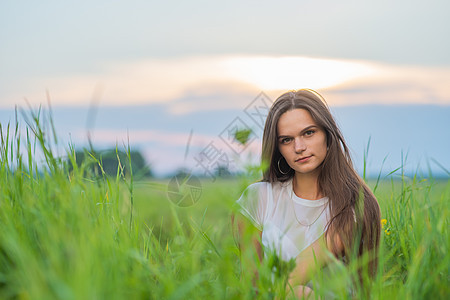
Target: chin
<point>306,171</point>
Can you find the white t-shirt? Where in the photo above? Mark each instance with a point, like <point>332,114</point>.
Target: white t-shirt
<point>289,224</point>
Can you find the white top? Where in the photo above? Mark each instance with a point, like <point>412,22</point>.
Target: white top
<point>289,224</point>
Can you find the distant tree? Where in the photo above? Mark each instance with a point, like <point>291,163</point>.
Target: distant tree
<point>182,173</point>
<point>110,160</point>
<point>222,171</point>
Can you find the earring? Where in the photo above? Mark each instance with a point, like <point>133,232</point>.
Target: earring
<point>279,169</point>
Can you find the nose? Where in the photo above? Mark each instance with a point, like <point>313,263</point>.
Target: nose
<point>299,145</point>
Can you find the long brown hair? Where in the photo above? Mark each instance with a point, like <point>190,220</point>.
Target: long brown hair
<point>349,197</point>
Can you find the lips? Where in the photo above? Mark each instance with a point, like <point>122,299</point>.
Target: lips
<point>303,159</point>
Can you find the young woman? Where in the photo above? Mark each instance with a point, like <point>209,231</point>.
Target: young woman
<point>310,202</point>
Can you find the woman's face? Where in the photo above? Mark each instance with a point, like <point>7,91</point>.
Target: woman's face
<point>301,141</point>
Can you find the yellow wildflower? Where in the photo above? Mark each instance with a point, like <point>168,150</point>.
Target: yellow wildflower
<point>387,231</point>
<point>383,222</point>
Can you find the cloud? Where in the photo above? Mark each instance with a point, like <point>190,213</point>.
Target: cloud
<point>222,82</point>
<point>159,137</point>
<point>138,82</point>
<point>166,150</point>
<point>138,136</point>
<point>395,85</point>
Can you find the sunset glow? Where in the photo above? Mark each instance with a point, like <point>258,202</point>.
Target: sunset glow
<point>199,79</point>
<point>287,73</point>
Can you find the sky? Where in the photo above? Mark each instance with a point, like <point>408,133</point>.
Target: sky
<point>168,74</point>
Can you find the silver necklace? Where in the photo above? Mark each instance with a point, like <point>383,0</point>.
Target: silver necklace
<point>295,214</point>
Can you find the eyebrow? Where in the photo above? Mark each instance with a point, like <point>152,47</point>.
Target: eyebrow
<point>304,129</point>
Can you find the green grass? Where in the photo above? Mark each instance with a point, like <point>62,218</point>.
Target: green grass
<point>73,235</point>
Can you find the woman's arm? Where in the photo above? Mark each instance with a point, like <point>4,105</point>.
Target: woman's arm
<point>309,261</point>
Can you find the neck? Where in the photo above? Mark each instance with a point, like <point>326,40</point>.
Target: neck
<point>306,186</point>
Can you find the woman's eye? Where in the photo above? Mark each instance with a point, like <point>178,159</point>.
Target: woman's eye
<point>309,132</point>
<point>285,140</point>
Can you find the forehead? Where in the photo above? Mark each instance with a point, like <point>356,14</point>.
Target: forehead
<point>293,121</point>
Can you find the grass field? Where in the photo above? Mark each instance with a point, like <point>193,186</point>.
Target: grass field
<point>69,235</point>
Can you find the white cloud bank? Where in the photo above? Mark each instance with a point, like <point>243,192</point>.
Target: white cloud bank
<point>166,80</point>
